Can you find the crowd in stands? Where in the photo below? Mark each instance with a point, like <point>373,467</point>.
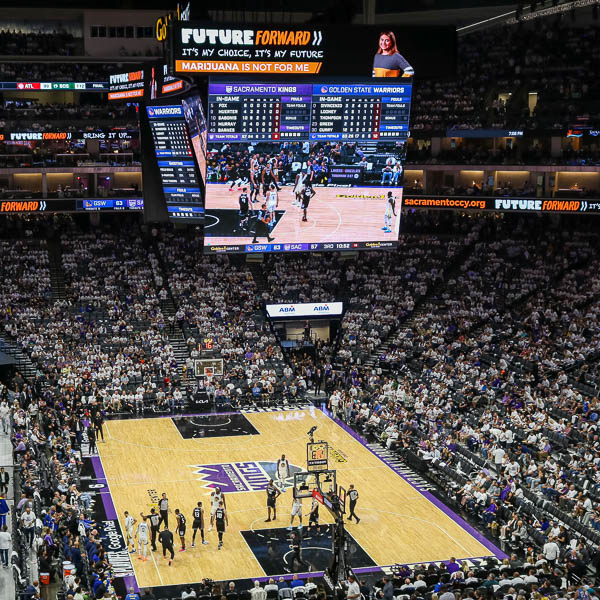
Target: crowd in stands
<point>497,69</point>
<point>519,154</point>
<point>472,348</point>
<point>40,43</point>
<point>33,116</point>
<point>471,351</point>
<point>510,62</point>
<point>380,162</point>
<point>55,71</point>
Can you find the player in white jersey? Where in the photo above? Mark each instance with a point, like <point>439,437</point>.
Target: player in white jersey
<point>390,210</point>
<point>299,188</point>
<point>215,497</point>
<point>272,202</point>
<point>142,536</point>
<point>296,511</point>
<point>129,523</point>
<point>283,472</point>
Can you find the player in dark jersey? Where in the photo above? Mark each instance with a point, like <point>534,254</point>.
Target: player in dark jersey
<point>268,175</point>
<point>273,492</point>
<point>221,520</point>
<point>198,523</point>
<point>154,526</point>
<point>237,176</point>
<point>313,517</point>
<point>244,212</point>
<point>180,529</point>
<point>307,193</point>
<point>262,225</point>
<point>255,177</point>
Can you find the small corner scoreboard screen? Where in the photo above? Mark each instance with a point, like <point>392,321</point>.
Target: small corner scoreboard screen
<point>292,112</point>
<point>317,455</point>
<point>305,166</point>
<point>126,87</point>
<point>175,160</point>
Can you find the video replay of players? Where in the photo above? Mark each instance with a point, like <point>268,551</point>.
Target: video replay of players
<point>305,166</point>
<point>299,196</point>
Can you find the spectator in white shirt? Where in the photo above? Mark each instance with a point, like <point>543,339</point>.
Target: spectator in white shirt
<point>5,543</point>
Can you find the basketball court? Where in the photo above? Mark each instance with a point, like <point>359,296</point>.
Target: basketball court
<point>335,214</point>
<point>186,457</point>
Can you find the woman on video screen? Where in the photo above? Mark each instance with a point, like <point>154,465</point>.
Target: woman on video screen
<point>388,62</point>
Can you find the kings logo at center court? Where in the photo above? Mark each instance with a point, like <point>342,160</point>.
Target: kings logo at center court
<point>251,476</point>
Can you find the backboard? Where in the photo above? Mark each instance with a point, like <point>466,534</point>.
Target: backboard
<point>214,364</point>
<point>305,482</point>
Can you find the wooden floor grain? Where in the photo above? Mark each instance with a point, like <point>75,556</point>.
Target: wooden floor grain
<point>143,458</point>
<point>334,215</point>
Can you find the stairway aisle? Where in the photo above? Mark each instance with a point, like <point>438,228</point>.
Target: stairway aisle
<point>7,584</point>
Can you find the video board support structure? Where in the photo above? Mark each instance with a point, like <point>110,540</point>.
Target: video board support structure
<point>308,484</point>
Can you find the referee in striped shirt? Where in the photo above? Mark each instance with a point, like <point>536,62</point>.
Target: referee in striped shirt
<point>353,495</point>
<point>164,510</point>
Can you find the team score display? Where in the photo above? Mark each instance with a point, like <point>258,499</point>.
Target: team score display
<point>295,198</point>
<point>325,111</point>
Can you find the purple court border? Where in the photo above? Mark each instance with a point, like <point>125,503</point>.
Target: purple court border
<point>111,514</point>
<point>445,509</point>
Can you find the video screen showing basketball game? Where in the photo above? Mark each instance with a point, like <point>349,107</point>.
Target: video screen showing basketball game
<point>194,116</point>
<point>297,167</point>
<point>272,197</point>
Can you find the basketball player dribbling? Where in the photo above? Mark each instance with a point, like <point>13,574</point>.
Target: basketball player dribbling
<point>216,496</point>
<point>390,210</point>
<point>307,194</point>
<point>261,227</point>
<point>283,472</point>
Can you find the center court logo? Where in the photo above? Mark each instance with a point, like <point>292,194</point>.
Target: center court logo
<point>252,476</point>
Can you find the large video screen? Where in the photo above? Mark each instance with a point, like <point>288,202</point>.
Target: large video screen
<point>303,196</point>
<point>296,167</point>
<point>182,190</point>
<point>292,50</point>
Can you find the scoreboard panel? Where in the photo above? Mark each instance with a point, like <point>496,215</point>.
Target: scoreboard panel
<point>283,112</point>
<point>175,161</point>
